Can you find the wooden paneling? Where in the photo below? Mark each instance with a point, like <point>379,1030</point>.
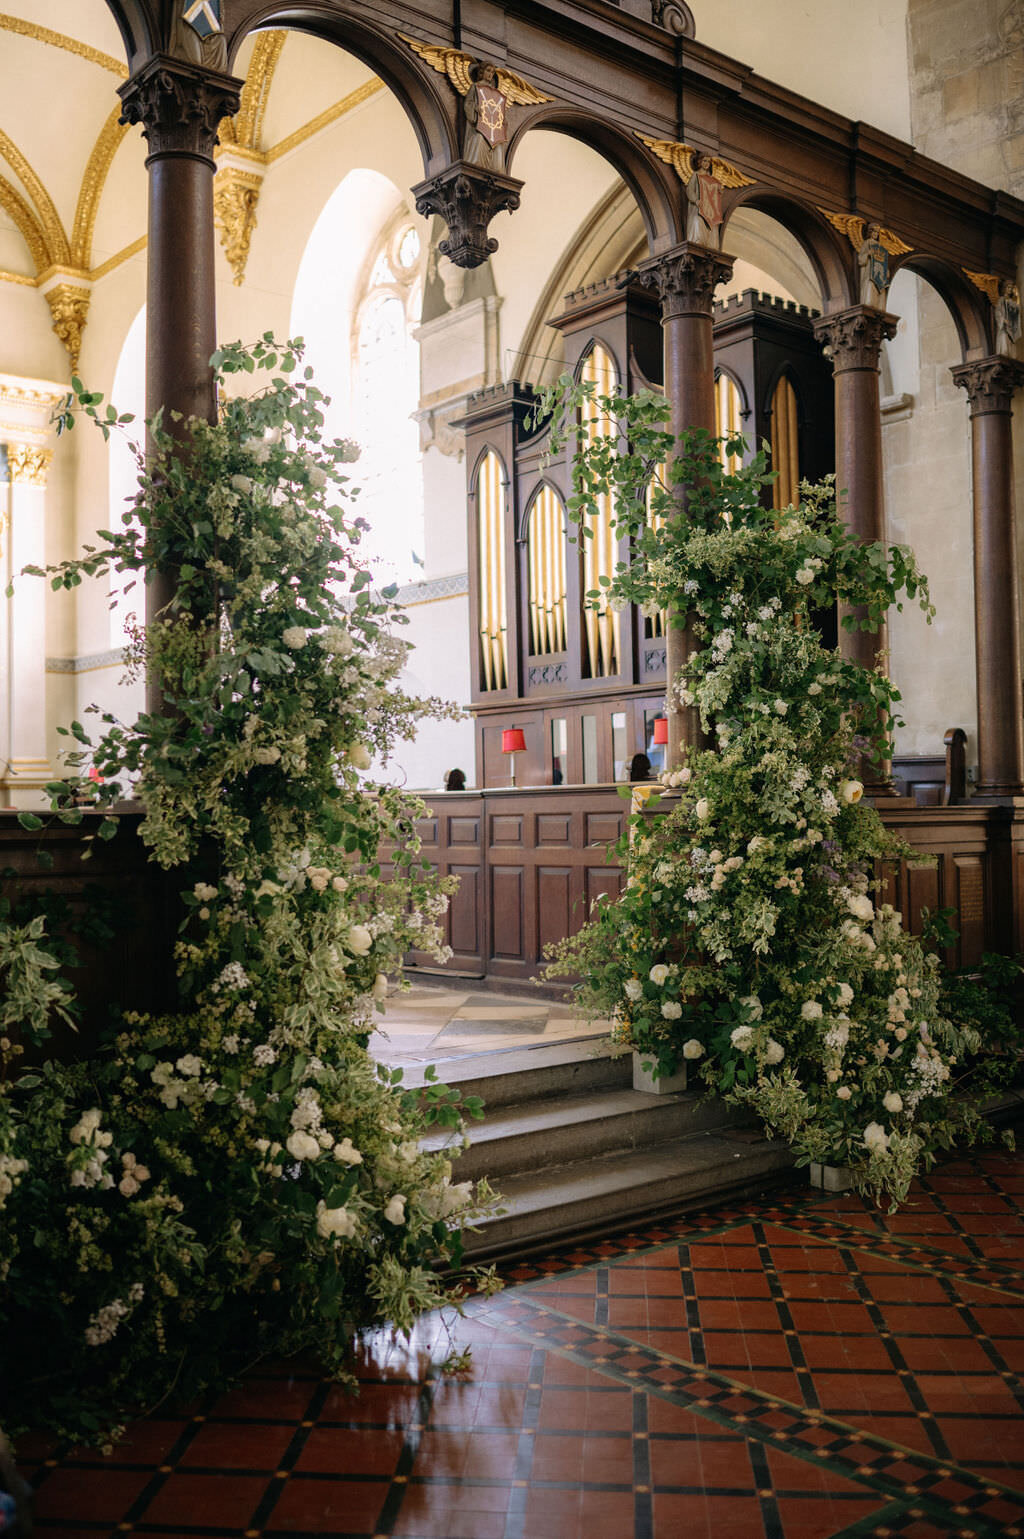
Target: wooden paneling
<point>507,913</point>
<point>554,904</point>
<point>554,827</point>
<point>465,919</point>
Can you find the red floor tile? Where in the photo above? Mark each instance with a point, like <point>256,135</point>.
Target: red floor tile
<point>328,1506</point>
<point>103,1495</point>
<point>337,1450</point>
<point>233,1445</point>
<point>222,1501</point>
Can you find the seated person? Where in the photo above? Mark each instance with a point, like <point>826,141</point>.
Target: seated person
<point>639,767</point>
<point>455,780</point>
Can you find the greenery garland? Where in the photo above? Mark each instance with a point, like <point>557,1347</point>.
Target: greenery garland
<point>235,1176</point>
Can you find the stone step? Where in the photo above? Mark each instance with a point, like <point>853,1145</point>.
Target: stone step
<point>552,1130</point>
<point>545,1207</point>
<point>509,1076</point>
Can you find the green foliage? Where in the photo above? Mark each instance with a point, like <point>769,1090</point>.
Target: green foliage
<point>748,941</point>
<point>233,1176</point>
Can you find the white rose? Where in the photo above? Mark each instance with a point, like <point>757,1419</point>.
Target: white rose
<point>380,986</point>
<point>892,1101</point>
<point>703,808</point>
<point>395,1210</point>
<point>241,484</point>
<point>850,792</point>
<point>810,1010</point>
<point>294,637</point>
<point>742,1038</point>
<point>752,1004</point>
<point>781,707</point>
<point>693,1049</point>
<point>844,1092</point>
<point>345,1154</point>
<point>334,1223</point>
<point>814,689</point>
<point>805,576</point>
<point>671,1009</point>
<point>359,756</point>
<point>658,974</point>
<point>204,892</point>
<point>876,1139</point>
<point>633,989</point>
<point>339,883</point>
<point>189,1065</point>
<point>267,755</point>
<point>861,906</point>
<point>845,994</point>
<point>302,1146</point>
<point>774,1052</point>
<point>359,940</point>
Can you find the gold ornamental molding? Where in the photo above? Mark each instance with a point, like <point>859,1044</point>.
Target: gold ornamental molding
<point>32,231</point>
<point>47,214</point>
<point>123,255</point>
<point>236,192</point>
<point>680,158</point>
<point>69,306</point>
<point>245,129</point>
<point>459,69</point>
<point>60,40</point>
<point>324,119</point>
<point>855,228</point>
<point>28,464</point>
<point>110,137</point>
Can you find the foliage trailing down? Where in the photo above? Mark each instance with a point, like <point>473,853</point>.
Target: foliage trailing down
<point>235,1176</point>
<point>752,939</point>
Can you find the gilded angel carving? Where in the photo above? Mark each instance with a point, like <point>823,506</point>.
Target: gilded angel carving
<point>488,90</point>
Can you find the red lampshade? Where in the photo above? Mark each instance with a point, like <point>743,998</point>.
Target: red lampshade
<point>661,729</point>
<point>513,740</point>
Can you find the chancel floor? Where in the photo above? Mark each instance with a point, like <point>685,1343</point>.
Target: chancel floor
<point>789,1368</point>
<point>435,1023</point>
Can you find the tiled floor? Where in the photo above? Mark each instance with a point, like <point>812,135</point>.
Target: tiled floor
<point>435,1024</point>
<point>792,1369</point>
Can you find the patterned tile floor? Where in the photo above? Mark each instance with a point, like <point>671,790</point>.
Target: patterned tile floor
<point>794,1368</point>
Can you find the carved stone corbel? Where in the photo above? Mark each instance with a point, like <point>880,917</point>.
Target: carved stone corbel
<point>236,193</point>
<point>686,278</point>
<point>467,198</point>
<point>179,106</point>
<point>68,299</point>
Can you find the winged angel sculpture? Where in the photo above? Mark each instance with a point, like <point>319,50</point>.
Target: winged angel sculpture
<point>874,245</point>
<point>487,91</point>
<point>704,178</point>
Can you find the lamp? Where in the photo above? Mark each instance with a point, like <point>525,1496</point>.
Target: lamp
<point>660,730</point>
<point>513,741</point>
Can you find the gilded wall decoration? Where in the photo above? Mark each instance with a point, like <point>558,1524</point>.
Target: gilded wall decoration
<point>28,464</point>
<point>235,196</point>
<point>69,306</point>
<point>73,45</point>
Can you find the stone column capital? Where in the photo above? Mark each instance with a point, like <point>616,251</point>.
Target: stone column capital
<point>179,106</point>
<point>467,197</point>
<point>990,383</point>
<point>686,278</point>
<point>28,464</point>
<point>853,338</point>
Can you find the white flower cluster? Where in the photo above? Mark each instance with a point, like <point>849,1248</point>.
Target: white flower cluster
<point>89,1156</point>
<point>11,1172</point>
<point>103,1325</point>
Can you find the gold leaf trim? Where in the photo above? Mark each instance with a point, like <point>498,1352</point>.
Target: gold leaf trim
<point>853,227</point>
<point>246,127</point>
<point>9,277</point>
<point>47,213</point>
<point>988,283</point>
<point>28,465</point>
<point>61,40</point>
<point>459,69</point>
<point>326,118</point>
<point>110,137</point>
<point>24,217</point>
<point>680,158</point>
<point>118,257</point>
<point>235,197</point>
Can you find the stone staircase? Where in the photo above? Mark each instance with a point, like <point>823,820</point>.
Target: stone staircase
<point>574,1150</point>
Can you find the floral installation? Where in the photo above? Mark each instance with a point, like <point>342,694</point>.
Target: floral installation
<point>234,1176</point>
<point>753,939</point>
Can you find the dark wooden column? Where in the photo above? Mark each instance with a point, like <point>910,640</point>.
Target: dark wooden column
<point>853,339</point>
<point>686,278</point>
<point>990,384</point>
<point>179,106</point>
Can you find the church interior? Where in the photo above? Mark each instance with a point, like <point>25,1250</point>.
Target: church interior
<point>799,223</point>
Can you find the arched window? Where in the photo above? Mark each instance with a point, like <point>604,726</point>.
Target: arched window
<point>545,550</point>
<point>490,515</point>
<point>785,445</point>
<point>728,407</point>
<point>601,630</point>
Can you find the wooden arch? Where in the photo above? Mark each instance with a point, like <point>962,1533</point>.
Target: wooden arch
<point>827,251</point>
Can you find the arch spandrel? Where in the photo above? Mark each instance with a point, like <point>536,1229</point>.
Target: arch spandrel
<point>832,261</point>
<point>429,104</point>
<point>653,185</point>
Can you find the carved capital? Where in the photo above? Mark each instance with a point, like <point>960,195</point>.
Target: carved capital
<point>69,306</point>
<point>686,278</point>
<point>28,464</point>
<point>236,193</point>
<point>853,338</point>
<point>990,383</point>
<point>467,199</point>
<point>179,106</point>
